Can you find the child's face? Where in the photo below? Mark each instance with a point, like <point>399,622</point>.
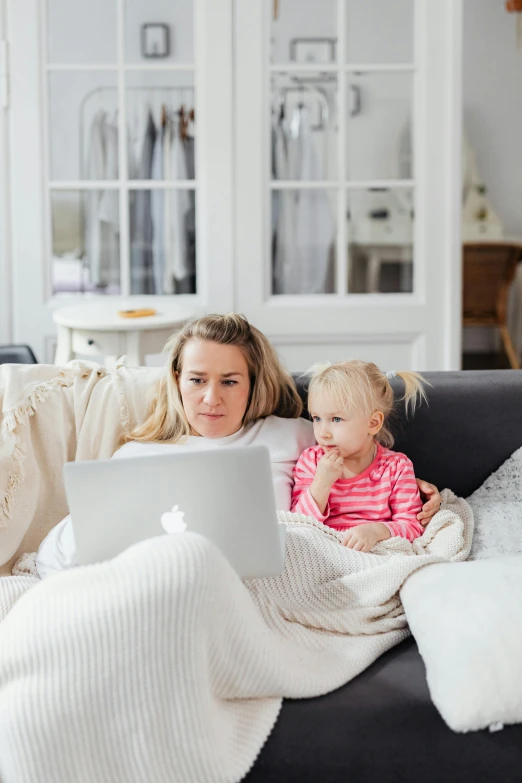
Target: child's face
<point>351,433</point>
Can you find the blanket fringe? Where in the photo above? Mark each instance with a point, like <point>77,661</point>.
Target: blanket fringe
<point>26,566</point>
<point>121,396</point>
<point>20,415</point>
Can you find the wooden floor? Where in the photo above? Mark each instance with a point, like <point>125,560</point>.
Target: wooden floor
<point>485,361</point>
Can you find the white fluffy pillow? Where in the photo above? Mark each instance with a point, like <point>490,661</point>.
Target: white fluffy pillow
<point>466,619</point>
<point>497,508</point>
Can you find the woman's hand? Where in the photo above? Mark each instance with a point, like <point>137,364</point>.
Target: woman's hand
<point>363,537</point>
<point>329,468</point>
<point>432,501</point>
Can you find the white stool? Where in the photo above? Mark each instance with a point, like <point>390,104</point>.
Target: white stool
<point>95,329</point>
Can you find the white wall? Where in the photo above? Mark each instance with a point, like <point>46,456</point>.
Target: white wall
<point>492,90</point>
<point>5,274</point>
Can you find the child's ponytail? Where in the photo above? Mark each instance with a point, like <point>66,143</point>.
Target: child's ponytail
<point>414,392</point>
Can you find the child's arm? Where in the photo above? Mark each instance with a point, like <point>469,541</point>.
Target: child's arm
<point>405,503</point>
<point>313,483</point>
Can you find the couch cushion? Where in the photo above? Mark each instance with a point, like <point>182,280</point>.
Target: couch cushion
<point>466,619</point>
<point>382,726</point>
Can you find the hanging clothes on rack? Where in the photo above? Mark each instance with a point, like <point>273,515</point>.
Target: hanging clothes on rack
<point>314,224</point>
<point>158,207</point>
<point>283,206</point>
<point>142,276</point>
<point>162,221</point>
<point>187,284</point>
<point>177,205</point>
<point>109,213</point>
<point>305,229</point>
<point>101,220</point>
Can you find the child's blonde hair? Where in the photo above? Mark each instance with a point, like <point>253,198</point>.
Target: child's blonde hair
<point>362,386</point>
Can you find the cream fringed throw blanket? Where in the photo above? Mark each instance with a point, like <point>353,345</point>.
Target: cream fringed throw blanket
<point>162,665</point>
<point>51,416</point>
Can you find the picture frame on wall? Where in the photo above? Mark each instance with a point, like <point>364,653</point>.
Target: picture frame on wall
<point>313,50</point>
<point>155,40</point>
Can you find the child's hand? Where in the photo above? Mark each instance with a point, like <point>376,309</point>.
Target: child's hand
<point>329,468</point>
<point>364,537</point>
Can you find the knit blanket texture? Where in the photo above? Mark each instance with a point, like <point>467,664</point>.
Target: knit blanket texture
<point>161,664</point>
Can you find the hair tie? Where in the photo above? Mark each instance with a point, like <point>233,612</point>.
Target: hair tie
<point>391,374</point>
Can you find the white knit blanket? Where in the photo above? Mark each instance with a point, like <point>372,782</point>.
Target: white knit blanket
<point>162,665</point>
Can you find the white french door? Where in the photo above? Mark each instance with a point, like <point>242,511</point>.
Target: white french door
<point>325,190</point>
<point>365,96</point>
<point>76,65</point>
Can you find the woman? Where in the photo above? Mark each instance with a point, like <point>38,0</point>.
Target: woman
<point>224,385</point>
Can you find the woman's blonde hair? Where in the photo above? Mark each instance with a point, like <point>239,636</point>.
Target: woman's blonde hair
<point>361,386</point>
<point>272,390</point>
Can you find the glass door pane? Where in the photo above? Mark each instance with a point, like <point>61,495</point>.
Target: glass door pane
<point>304,126</point>
<point>81,33</point>
<point>380,232</point>
<point>117,137</point>
<point>379,110</point>
<point>160,107</point>
<point>83,125</point>
<point>159,32</point>
<point>302,32</point>
<point>303,241</point>
<point>162,240</point>
<point>162,220</point>
<point>341,110</point>
<point>379,31</point>
<point>85,241</point>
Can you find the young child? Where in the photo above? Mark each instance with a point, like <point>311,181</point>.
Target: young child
<point>351,480</point>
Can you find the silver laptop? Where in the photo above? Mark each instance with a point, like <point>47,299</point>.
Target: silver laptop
<point>226,495</point>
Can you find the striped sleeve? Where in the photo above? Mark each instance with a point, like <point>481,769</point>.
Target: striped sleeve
<point>303,475</point>
<point>405,502</point>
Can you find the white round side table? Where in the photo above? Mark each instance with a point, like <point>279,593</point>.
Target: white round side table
<point>96,329</point>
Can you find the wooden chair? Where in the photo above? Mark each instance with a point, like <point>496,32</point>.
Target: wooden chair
<point>488,269</point>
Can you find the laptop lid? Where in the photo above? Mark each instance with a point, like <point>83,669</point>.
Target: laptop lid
<point>226,495</point>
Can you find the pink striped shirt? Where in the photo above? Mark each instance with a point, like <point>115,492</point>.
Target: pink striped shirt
<point>385,492</point>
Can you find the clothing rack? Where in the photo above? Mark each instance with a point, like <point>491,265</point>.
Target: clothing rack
<point>183,91</point>
<point>303,86</point>
<point>98,91</point>
<point>301,91</point>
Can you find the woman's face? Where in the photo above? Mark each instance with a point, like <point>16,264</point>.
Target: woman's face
<point>214,387</point>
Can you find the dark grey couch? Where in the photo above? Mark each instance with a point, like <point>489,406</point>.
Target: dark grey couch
<point>382,727</point>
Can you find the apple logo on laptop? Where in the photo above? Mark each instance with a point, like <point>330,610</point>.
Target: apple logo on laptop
<point>173,522</point>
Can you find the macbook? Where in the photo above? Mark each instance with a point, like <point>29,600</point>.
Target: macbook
<point>224,494</point>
